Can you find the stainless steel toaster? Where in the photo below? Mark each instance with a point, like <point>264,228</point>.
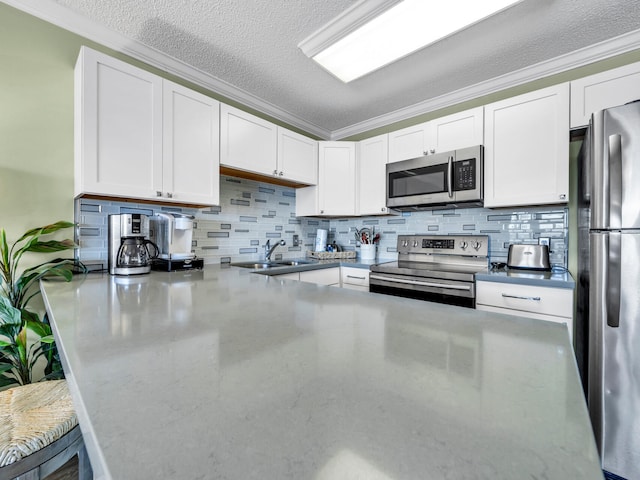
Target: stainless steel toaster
<point>529,257</point>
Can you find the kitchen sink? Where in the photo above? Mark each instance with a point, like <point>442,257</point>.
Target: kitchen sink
<point>292,262</point>
<point>257,265</point>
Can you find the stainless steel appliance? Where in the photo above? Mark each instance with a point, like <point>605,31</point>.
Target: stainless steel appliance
<point>609,284</point>
<point>437,181</point>
<point>129,244</point>
<point>173,233</point>
<point>438,268</point>
<point>529,257</point>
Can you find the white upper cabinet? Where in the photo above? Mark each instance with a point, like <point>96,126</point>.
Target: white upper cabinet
<point>337,178</point>
<point>459,130</point>
<point>527,149</point>
<point>254,145</point>
<point>247,142</point>
<point>372,155</point>
<point>410,142</point>
<point>297,157</point>
<point>335,193</point>
<point>139,136</point>
<point>191,146</point>
<point>603,90</point>
<point>118,128</point>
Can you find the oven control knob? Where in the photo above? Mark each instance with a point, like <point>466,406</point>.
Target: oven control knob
<point>415,243</point>
<point>463,245</point>
<point>476,245</point>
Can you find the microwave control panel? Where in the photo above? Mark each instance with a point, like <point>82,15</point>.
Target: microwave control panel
<point>464,175</point>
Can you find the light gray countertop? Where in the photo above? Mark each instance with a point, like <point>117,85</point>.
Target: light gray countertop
<point>225,374</point>
<point>553,279</point>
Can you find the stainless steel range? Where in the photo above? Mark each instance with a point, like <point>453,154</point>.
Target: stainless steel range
<point>438,268</point>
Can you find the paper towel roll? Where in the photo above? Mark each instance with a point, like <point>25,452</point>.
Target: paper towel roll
<point>321,240</point>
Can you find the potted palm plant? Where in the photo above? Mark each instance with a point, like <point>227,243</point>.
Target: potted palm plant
<point>18,354</point>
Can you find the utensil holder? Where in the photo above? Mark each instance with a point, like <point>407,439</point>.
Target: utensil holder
<point>368,251</point>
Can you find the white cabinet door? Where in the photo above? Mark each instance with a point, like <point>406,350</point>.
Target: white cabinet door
<point>247,142</point>
<point>191,153</point>
<point>118,128</point>
<point>324,276</point>
<point>451,132</point>
<point>297,157</point>
<point>372,155</point>
<point>459,130</point>
<point>408,142</point>
<point>527,149</point>
<point>603,90</point>
<point>337,178</point>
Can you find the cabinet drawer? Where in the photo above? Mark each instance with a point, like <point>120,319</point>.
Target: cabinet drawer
<point>325,276</point>
<point>355,276</point>
<point>526,298</point>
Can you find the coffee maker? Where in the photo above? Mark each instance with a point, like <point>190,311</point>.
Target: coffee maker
<point>173,233</point>
<point>129,244</point>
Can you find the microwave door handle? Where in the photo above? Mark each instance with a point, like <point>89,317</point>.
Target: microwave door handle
<point>450,176</point>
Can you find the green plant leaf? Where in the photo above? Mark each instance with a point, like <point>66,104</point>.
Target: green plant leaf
<point>54,227</point>
<point>47,339</point>
<point>39,328</point>
<point>51,246</point>
<point>8,313</point>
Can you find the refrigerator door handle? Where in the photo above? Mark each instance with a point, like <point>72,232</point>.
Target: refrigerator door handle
<point>614,274</point>
<point>615,180</point>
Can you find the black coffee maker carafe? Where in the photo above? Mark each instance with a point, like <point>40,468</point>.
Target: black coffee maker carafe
<point>129,244</point>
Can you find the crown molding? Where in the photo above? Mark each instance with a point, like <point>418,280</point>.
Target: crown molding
<point>69,20</point>
<point>579,58</point>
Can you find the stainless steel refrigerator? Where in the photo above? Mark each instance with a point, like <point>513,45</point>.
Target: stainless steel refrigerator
<point>609,284</point>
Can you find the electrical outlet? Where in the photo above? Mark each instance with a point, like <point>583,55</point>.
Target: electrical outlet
<point>296,241</point>
<point>544,241</point>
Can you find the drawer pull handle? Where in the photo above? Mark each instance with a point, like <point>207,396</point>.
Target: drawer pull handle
<point>357,278</point>
<point>535,299</point>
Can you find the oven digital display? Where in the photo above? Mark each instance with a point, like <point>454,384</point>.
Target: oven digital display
<point>444,243</point>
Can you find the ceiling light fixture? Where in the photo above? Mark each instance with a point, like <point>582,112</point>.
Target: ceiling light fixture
<point>375,33</point>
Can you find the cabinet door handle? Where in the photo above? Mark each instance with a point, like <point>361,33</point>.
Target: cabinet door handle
<point>357,278</point>
<point>158,193</point>
<point>281,174</point>
<point>275,172</point>
<point>535,299</point>
<point>169,195</point>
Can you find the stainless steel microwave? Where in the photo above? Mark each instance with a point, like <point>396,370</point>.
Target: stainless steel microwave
<point>440,180</point>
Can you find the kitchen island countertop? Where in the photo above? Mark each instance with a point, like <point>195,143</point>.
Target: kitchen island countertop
<point>223,373</point>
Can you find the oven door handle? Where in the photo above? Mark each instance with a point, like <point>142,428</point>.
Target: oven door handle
<point>419,283</point>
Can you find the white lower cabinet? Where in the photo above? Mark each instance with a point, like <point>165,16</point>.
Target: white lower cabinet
<point>543,303</point>
<point>526,156</point>
<point>354,278</point>
<point>324,276</point>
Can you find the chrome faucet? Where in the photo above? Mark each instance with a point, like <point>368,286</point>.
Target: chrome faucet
<point>269,251</point>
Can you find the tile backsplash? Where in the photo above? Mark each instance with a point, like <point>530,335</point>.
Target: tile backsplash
<point>252,213</point>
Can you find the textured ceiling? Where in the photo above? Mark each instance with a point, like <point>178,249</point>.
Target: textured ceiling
<point>252,45</point>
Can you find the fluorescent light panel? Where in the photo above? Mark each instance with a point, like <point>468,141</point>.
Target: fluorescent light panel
<point>404,28</point>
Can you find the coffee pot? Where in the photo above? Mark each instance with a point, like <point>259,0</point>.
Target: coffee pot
<point>129,244</point>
